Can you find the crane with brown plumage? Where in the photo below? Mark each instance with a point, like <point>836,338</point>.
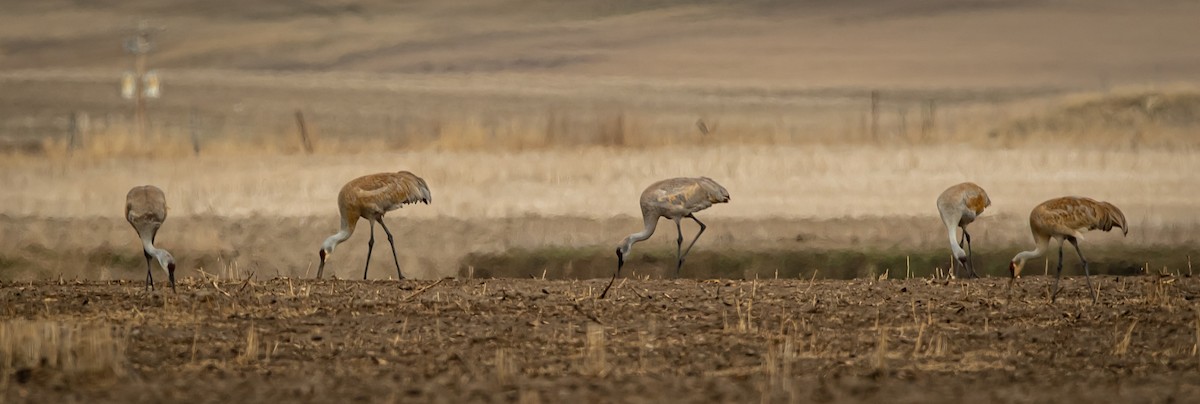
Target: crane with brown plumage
<point>370,197</point>
<point>675,199</point>
<point>959,205</point>
<point>146,210</point>
<point>1065,219</point>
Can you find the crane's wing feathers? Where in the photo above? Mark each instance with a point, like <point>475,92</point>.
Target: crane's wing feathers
<point>412,188</point>
<point>146,203</point>
<point>977,200</point>
<point>690,197</point>
<point>965,195</point>
<point>146,209</point>
<point>384,192</point>
<point>1068,215</point>
<point>682,196</point>
<point>1110,217</point>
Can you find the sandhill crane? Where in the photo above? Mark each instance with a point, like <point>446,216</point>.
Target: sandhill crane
<point>146,209</point>
<point>674,199</point>
<point>1065,219</point>
<point>370,197</point>
<point>959,205</point>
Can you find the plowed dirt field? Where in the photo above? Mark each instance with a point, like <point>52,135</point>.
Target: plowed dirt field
<point>531,340</point>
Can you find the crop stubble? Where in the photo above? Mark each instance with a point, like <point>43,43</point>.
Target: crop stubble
<point>916,340</point>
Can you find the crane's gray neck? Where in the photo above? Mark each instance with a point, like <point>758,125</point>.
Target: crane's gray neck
<point>649,223</point>
<point>1038,251</point>
<point>335,239</point>
<point>1019,260</point>
<point>958,251</point>
<point>163,257</point>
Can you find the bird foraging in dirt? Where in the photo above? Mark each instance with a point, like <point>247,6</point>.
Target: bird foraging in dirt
<point>958,206</point>
<point>146,210</point>
<point>674,199</point>
<point>370,197</point>
<point>1065,219</point>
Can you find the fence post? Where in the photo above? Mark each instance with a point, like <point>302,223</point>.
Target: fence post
<point>304,139</point>
<point>194,129</point>
<point>929,120</point>
<point>78,130</point>
<point>875,114</point>
<point>862,125</point>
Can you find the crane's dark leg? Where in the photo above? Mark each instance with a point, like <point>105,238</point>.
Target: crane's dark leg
<point>1086,274</point>
<point>970,255</point>
<point>149,271</point>
<point>393,243</point>
<point>1012,278</point>
<point>678,248</point>
<point>1057,272</point>
<point>620,263</point>
<point>689,249</point>
<point>370,247</point>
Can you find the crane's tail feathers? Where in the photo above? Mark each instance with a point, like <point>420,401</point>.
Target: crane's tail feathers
<point>1110,216</point>
<point>414,188</point>
<point>426,196</point>
<point>716,192</point>
<point>420,193</point>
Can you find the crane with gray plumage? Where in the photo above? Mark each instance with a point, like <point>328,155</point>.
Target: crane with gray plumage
<point>958,206</point>
<point>675,199</point>
<point>146,210</point>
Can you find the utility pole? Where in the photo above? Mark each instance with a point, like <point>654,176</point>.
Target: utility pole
<point>140,84</point>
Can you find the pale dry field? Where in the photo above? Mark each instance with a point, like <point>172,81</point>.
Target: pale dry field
<point>541,137</point>
<point>521,112</point>
<point>268,215</point>
<point>1154,187</point>
<point>856,44</point>
<point>481,70</point>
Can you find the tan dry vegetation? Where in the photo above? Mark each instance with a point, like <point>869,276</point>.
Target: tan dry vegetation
<point>537,124</point>
<point>348,114</point>
<point>268,215</point>
<point>915,43</point>
<point>345,114</point>
<point>1153,187</point>
<point>35,348</point>
<point>531,74</point>
<point>554,247</point>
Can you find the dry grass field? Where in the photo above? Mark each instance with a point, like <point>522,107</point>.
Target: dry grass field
<point>515,73</point>
<point>834,125</point>
<point>272,213</point>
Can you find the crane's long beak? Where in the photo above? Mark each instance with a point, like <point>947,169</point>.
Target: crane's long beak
<point>620,263</point>
<point>171,275</point>
<point>321,269</point>
<point>1012,274</point>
